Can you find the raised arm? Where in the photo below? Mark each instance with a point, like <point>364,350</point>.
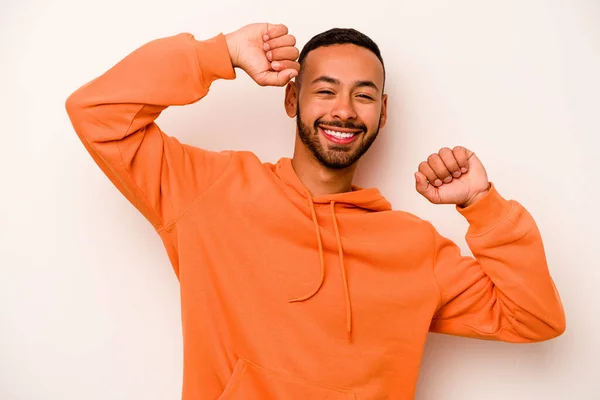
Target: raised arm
<point>114,116</point>
<point>505,291</point>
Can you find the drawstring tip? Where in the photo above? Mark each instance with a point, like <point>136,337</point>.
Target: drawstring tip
<point>349,335</point>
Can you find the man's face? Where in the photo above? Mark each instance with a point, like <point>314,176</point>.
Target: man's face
<point>340,105</point>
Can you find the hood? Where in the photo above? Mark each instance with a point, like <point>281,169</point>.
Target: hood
<point>367,199</point>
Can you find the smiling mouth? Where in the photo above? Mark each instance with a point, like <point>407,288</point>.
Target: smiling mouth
<point>339,135</point>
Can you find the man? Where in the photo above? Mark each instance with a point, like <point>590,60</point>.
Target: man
<point>295,283</point>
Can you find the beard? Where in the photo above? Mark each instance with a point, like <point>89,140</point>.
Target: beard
<point>335,156</point>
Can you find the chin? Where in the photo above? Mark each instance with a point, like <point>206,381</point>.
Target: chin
<point>333,161</point>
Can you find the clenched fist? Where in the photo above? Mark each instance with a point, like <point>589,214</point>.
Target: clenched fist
<point>266,52</point>
<point>452,177</point>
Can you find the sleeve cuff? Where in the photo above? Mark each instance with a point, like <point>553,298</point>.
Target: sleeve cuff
<point>487,212</point>
<point>214,59</point>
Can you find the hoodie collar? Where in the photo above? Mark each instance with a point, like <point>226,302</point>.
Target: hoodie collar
<point>369,199</point>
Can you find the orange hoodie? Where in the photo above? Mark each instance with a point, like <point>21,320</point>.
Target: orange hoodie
<point>289,296</point>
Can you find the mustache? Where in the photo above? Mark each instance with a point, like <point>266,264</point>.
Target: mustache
<point>339,124</point>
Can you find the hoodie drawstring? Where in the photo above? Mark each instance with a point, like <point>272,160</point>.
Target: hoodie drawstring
<point>344,278</point>
<point>321,255</point>
<point>322,259</point>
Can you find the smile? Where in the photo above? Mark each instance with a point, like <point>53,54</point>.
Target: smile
<point>339,135</point>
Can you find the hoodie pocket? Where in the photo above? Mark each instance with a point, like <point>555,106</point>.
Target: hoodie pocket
<point>253,382</point>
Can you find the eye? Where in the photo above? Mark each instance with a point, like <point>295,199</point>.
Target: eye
<point>365,96</point>
<point>325,91</point>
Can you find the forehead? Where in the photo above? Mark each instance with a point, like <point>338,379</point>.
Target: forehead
<point>347,63</point>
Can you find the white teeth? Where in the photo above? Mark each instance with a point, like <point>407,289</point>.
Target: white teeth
<point>339,135</point>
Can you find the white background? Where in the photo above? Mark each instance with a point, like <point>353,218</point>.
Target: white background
<point>89,305</point>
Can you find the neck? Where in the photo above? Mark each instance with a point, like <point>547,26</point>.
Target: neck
<point>319,179</point>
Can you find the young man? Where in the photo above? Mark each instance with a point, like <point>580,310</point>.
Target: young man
<point>295,283</point>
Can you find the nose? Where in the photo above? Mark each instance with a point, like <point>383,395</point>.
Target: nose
<point>344,109</point>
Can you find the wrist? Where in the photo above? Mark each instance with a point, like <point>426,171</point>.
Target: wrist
<point>475,198</point>
<point>233,49</point>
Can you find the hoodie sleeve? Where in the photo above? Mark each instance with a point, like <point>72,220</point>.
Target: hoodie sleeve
<point>114,117</point>
<point>504,292</point>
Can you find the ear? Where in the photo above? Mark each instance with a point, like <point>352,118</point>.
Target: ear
<point>291,99</point>
<point>383,118</point>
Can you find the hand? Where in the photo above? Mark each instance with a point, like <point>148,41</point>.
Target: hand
<point>452,177</point>
<point>265,52</point>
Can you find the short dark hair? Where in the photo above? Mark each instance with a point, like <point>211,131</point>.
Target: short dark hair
<point>340,36</point>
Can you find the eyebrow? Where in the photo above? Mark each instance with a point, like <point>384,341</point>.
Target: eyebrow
<point>333,81</point>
